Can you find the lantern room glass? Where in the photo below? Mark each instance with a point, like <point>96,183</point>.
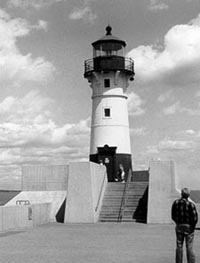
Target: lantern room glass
<point>108,49</point>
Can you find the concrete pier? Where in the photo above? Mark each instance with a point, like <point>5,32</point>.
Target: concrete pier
<point>92,243</point>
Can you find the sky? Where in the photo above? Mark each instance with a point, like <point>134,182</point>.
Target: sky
<point>45,102</point>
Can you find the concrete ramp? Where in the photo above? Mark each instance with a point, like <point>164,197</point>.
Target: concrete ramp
<point>56,199</point>
<point>7,195</point>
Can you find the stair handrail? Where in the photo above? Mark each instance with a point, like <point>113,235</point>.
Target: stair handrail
<point>123,202</point>
<point>100,193</point>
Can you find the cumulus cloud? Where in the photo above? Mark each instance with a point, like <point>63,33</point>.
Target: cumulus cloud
<point>176,144</point>
<point>152,149</point>
<point>17,68</point>
<point>198,94</point>
<point>37,4</point>
<point>190,132</point>
<point>165,96</point>
<point>172,109</point>
<point>41,25</point>
<point>135,105</point>
<point>179,145</point>
<point>30,109</point>
<point>138,131</point>
<point>183,148</point>
<point>157,5</point>
<point>29,135</point>
<point>86,14</point>
<point>177,63</point>
<point>178,108</point>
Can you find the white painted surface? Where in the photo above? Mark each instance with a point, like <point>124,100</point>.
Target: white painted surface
<point>113,136</point>
<point>113,130</point>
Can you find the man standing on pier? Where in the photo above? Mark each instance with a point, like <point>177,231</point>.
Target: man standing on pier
<point>184,214</point>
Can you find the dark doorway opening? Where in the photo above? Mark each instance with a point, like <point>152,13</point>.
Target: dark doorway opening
<point>107,154</point>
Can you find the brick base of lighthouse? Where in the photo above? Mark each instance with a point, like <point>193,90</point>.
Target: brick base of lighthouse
<point>112,160</point>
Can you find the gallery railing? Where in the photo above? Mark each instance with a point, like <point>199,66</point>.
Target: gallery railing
<point>112,63</point>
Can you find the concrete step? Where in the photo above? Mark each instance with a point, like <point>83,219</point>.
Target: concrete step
<point>112,202</point>
<point>123,220</point>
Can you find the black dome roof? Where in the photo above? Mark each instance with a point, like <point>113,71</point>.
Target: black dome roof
<point>109,38</point>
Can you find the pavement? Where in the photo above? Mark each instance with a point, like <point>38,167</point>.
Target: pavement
<point>92,243</point>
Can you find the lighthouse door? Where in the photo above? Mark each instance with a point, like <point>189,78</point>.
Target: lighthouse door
<point>107,155</point>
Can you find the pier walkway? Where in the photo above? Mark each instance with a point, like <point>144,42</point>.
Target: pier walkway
<point>92,243</point>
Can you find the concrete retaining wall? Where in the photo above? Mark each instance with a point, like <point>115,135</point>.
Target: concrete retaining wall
<point>23,216</point>
<point>162,191</point>
<point>86,186</point>
<point>41,213</point>
<point>56,198</point>
<point>44,178</point>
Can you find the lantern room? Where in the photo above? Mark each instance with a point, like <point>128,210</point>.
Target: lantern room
<point>109,55</point>
<point>108,45</point>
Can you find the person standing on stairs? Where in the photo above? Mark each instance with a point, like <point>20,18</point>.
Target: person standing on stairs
<point>120,174</point>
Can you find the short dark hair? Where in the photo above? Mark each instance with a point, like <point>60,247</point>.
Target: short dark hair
<point>185,192</point>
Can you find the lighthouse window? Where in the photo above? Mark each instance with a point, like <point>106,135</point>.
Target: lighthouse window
<point>107,112</point>
<point>106,83</point>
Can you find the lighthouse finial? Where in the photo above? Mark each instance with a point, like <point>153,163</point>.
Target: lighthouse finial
<point>108,30</point>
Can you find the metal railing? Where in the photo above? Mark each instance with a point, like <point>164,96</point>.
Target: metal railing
<point>89,65</point>
<point>124,198</point>
<point>23,202</point>
<point>128,64</point>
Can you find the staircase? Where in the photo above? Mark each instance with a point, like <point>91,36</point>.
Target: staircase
<point>136,202</point>
<point>135,206</point>
<point>111,202</point>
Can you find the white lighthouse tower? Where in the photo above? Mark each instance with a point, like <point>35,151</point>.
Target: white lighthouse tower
<point>109,72</point>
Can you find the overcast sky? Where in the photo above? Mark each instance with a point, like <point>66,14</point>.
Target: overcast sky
<point>45,103</point>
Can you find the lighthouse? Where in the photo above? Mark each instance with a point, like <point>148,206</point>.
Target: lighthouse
<point>109,73</point>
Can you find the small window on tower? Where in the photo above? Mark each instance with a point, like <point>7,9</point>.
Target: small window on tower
<point>107,112</point>
<point>106,83</point>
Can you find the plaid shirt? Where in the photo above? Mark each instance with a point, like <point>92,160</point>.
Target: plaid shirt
<point>184,212</point>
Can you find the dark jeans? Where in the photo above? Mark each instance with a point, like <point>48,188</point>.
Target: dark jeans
<point>184,232</point>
